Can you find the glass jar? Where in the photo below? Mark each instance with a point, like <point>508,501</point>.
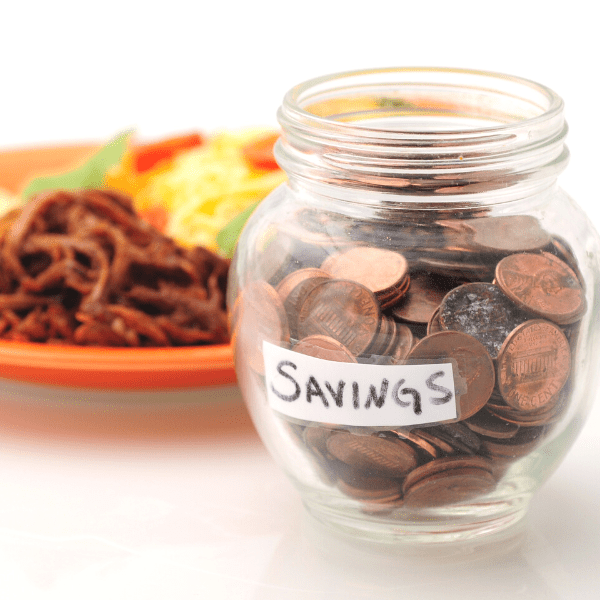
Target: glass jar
<point>414,313</point>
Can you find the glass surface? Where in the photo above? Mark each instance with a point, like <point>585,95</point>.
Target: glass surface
<point>447,247</point>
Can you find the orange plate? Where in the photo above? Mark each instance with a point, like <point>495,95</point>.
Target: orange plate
<point>101,368</point>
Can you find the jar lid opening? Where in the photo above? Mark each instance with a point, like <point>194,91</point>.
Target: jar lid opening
<point>372,126</point>
<point>424,100</point>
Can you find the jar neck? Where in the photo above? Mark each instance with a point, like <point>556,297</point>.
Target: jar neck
<point>423,132</point>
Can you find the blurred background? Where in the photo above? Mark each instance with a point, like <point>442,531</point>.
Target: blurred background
<point>216,519</point>
<point>78,71</point>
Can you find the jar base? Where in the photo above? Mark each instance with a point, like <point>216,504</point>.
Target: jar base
<point>489,521</point>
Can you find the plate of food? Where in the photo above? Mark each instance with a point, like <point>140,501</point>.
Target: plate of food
<point>114,262</point>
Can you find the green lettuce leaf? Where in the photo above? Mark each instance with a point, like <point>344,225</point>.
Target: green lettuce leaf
<point>89,175</point>
<point>228,236</point>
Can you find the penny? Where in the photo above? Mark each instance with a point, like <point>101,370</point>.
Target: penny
<point>324,347</point>
<point>404,343</point>
<point>459,436</point>
<point>392,297</point>
<point>393,339</point>
<point>294,288</point>
<point>316,438</point>
<point>313,459</point>
<point>496,399</point>
<point>533,418</point>
<point>344,310</point>
<point>533,365</point>
<point>374,455</point>
<point>422,445</point>
<point>384,337</point>
<point>474,365</point>
<point>516,447</point>
<point>422,299</point>
<point>454,487</point>
<point>377,269</point>
<point>513,233</point>
<point>482,311</point>
<point>358,485</point>
<point>260,316</point>
<point>451,438</point>
<point>429,436</point>
<point>544,285</point>
<point>469,269</point>
<point>381,506</point>
<point>562,249</point>
<point>446,464</point>
<point>487,424</point>
<point>434,322</point>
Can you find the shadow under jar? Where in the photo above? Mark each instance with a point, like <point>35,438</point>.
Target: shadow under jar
<point>415,313</point>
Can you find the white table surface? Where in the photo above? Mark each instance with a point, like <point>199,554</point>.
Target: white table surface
<point>211,516</point>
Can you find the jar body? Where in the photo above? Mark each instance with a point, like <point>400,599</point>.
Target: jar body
<point>417,367</point>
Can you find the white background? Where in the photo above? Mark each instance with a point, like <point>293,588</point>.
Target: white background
<point>80,71</point>
<point>219,520</point>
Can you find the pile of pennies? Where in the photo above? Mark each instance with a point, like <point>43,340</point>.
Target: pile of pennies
<point>500,296</point>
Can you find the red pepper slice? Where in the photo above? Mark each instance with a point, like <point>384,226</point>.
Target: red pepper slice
<point>147,156</point>
<point>259,152</point>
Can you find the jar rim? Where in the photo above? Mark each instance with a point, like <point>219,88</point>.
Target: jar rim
<point>419,129</point>
<point>299,96</point>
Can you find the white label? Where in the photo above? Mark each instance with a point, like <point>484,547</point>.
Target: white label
<point>341,393</point>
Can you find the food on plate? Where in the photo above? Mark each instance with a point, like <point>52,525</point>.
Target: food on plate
<point>200,184</point>
<point>90,174</point>
<point>147,156</point>
<point>132,247</point>
<point>8,201</point>
<point>81,267</point>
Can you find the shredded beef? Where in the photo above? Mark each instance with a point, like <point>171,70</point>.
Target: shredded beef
<point>81,267</point>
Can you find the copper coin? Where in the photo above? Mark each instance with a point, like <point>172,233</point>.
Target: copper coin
<point>534,418</point>
<point>422,299</point>
<point>521,444</point>
<point>434,322</point>
<point>316,438</point>
<point>377,269</point>
<point>313,439</point>
<point>487,424</point>
<point>358,485</point>
<point>294,288</point>
<point>374,455</point>
<point>386,331</point>
<point>441,445</point>
<point>545,415</point>
<point>533,365</point>
<point>467,268</point>
<point>544,285</point>
<point>344,310</point>
<point>453,487</point>
<point>393,338</point>
<point>445,464</point>
<point>325,347</point>
<point>260,316</point>
<point>429,450</point>
<point>404,343</point>
<point>458,435</point>
<point>483,311</point>
<point>392,297</point>
<point>475,366</point>
<point>562,249</point>
<point>513,233</point>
